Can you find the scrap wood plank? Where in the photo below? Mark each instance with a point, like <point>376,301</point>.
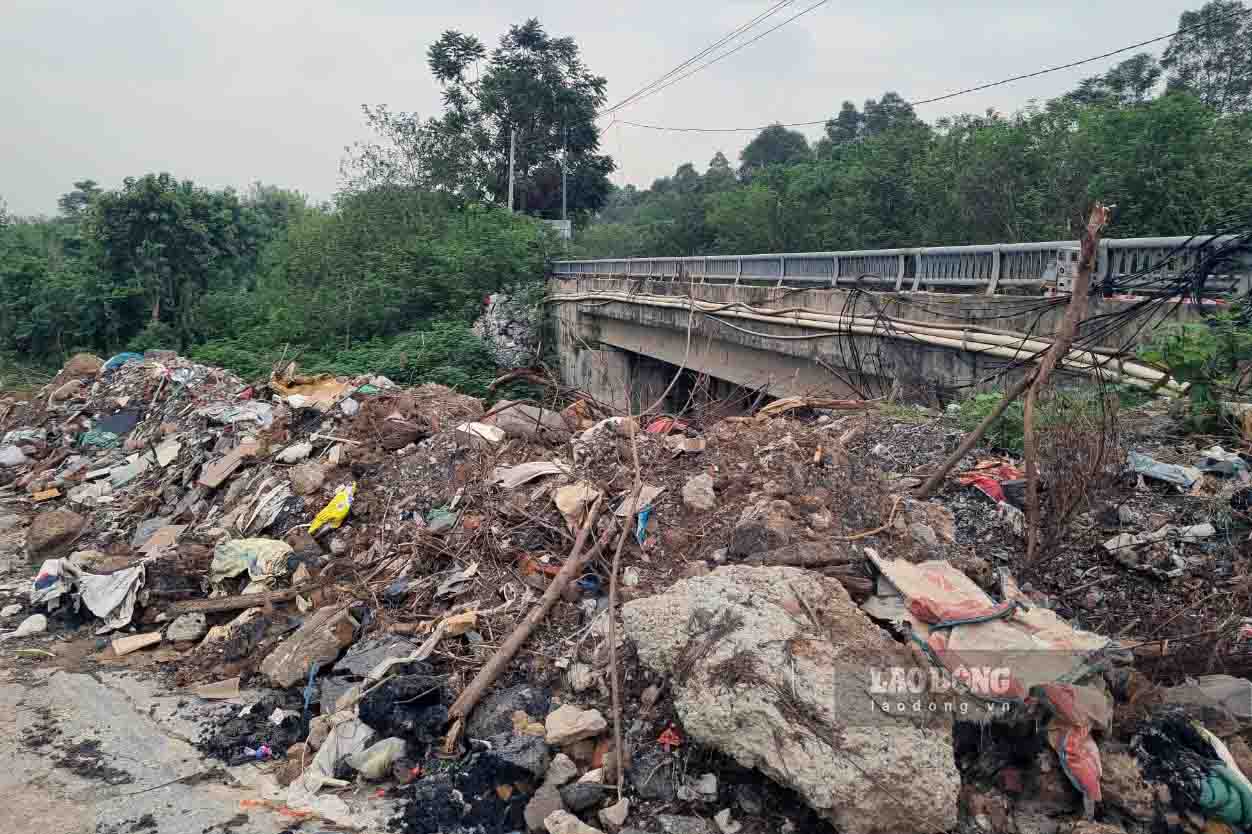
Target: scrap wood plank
<point>241,601</point>
<point>213,474</point>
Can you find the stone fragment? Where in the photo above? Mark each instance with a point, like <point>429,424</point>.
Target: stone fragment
<point>677,824</point>
<point>318,641</point>
<point>528,421</point>
<point>563,822</point>
<point>725,824</point>
<point>187,627</point>
<point>580,796</point>
<point>698,492</point>
<point>762,526</point>
<point>568,724</point>
<point>545,802</point>
<point>562,771</point>
<point>527,753</point>
<point>746,613</point>
<point>614,816</point>
<point>53,529</point>
<point>307,478</point>
<point>83,364</point>
<point>295,453</point>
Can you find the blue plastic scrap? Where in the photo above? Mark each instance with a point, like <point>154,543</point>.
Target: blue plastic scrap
<point>121,359</point>
<point>1183,476</point>
<point>641,529</point>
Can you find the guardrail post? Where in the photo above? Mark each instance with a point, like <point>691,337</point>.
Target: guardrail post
<point>995,272</point>
<point>782,268</point>
<point>704,270</point>
<point>738,270</point>
<point>917,272</point>
<point>834,271</point>
<point>900,273</point>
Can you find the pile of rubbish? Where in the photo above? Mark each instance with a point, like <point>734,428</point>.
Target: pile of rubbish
<point>403,600</point>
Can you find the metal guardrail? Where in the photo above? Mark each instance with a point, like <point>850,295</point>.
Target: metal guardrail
<point>993,267</point>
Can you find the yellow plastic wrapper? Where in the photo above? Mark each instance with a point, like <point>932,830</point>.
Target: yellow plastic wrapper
<point>333,514</point>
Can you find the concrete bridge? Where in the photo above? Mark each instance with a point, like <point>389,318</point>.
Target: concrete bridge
<point>937,322</point>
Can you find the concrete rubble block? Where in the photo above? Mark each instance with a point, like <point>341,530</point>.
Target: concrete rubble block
<point>725,823</point>
<point>614,816</point>
<point>53,529</point>
<point>527,753</point>
<point>562,771</point>
<point>187,627</point>
<point>796,685</point>
<point>295,453</point>
<point>307,478</point>
<point>765,525</point>
<point>83,364</point>
<point>545,802</point>
<point>318,641</point>
<point>651,775</point>
<point>496,712</point>
<point>528,421</point>
<point>563,822</point>
<point>698,492</point>
<point>479,435</point>
<point>580,796</point>
<point>568,724</point>
<point>676,824</point>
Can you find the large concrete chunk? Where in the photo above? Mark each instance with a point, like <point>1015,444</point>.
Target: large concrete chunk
<point>773,666</point>
<point>53,529</point>
<point>529,422</point>
<point>317,642</point>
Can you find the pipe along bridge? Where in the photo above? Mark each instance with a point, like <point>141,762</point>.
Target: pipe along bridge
<point>924,323</point>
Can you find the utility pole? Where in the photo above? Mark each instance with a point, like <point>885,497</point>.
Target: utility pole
<point>512,153</point>
<point>564,179</point>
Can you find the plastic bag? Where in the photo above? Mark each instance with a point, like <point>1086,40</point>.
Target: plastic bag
<point>375,761</point>
<point>334,513</point>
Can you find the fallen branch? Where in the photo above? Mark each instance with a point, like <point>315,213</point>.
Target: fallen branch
<point>572,569</point>
<point>791,403</point>
<point>236,603</point>
<point>971,440</point>
<point>1074,314</point>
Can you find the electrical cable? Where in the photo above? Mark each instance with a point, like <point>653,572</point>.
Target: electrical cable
<point>728,36</point>
<point>954,94</point>
<point>727,54</point>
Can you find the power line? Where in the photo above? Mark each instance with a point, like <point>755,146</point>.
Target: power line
<point>730,52</point>
<point>728,36</point>
<point>956,93</point>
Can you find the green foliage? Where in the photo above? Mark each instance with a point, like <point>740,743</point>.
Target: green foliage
<point>1203,355</point>
<point>1008,432</point>
<point>1213,60</point>
<point>533,88</point>
<point>881,178</point>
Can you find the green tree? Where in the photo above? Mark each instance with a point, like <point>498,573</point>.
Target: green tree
<point>1130,82</point>
<point>167,243</point>
<point>74,204</point>
<point>719,176</point>
<point>535,89</point>
<point>842,129</point>
<point>1213,59</point>
<point>775,145</point>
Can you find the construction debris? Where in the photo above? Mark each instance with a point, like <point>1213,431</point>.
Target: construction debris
<point>395,604</point>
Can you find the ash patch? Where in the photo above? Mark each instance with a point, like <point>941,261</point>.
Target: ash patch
<point>479,795</point>
<point>226,740</point>
<point>86,761</point>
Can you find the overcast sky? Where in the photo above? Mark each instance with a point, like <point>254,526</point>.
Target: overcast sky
<point>226,92</point>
